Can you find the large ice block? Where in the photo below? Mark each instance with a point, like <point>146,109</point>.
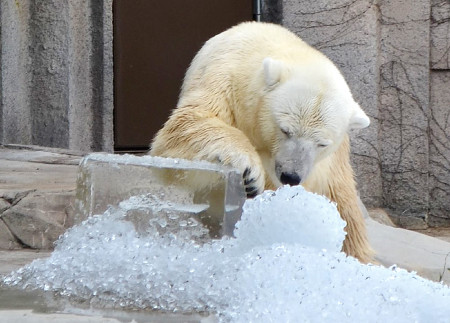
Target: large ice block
<point>202,191</point>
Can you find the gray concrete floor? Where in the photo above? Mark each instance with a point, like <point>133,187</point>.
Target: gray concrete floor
<point>11,260</point>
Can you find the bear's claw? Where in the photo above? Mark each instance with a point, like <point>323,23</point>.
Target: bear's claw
<point>250,190</point>
<point>248,181</point>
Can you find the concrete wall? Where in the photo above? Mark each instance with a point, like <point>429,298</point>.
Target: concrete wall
<point>439,117</point>
<point>395,55</point>
<point>56,78</point>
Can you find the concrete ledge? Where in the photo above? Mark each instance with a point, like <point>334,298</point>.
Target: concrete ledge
<point>428,256</point>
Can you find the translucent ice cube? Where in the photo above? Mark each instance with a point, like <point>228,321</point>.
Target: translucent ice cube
<point>212,193</point>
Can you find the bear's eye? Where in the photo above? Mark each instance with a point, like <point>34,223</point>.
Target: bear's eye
<point>324,144</point>
<point>286,132</point>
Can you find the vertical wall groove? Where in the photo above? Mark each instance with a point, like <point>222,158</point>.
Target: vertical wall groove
<point>97,15</point>
<point>1,74</point>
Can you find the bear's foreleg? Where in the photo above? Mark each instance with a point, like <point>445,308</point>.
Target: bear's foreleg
<point>197,134</point>
<point>342,190</point>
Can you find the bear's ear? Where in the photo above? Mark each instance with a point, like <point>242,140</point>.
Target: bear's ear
<point>359,119</point>
<point>273,70</point>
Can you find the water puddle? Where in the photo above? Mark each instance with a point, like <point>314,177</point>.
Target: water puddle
<point>39,306</point>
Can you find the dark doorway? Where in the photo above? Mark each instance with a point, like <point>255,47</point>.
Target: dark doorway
<point>154,42</point>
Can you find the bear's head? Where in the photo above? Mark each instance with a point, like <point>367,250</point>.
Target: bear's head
<point>311,110</point>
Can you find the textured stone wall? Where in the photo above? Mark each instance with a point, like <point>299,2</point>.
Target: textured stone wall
<point>404,105</point>
<point>346,31</point>
<point>15,112</point>
<point>395,55</point>
<point>56,78</point>
<point>439,118</point>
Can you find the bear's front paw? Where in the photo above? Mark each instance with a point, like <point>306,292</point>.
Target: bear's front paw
<point>251,183</point>
<point>251,168</point>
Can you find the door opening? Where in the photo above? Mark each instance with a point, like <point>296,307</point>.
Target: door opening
<point>154,42</point>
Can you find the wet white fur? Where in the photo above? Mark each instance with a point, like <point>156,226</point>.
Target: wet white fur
<point>257,97</point>
<point>262,78</point>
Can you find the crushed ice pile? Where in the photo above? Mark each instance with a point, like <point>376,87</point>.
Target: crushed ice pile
<point>284,265</point>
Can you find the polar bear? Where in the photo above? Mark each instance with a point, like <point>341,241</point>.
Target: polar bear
<point>258,98</point>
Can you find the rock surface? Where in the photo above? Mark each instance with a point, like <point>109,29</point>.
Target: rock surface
<point>37,189</point>
<point>39,218</point>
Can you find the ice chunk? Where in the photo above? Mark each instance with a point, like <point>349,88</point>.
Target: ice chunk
<point>288,216</point>
<point>211,193</point>
<point>275,270</point>
<point>157,218</point>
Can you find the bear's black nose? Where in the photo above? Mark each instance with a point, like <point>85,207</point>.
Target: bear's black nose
<point>290,178</point>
